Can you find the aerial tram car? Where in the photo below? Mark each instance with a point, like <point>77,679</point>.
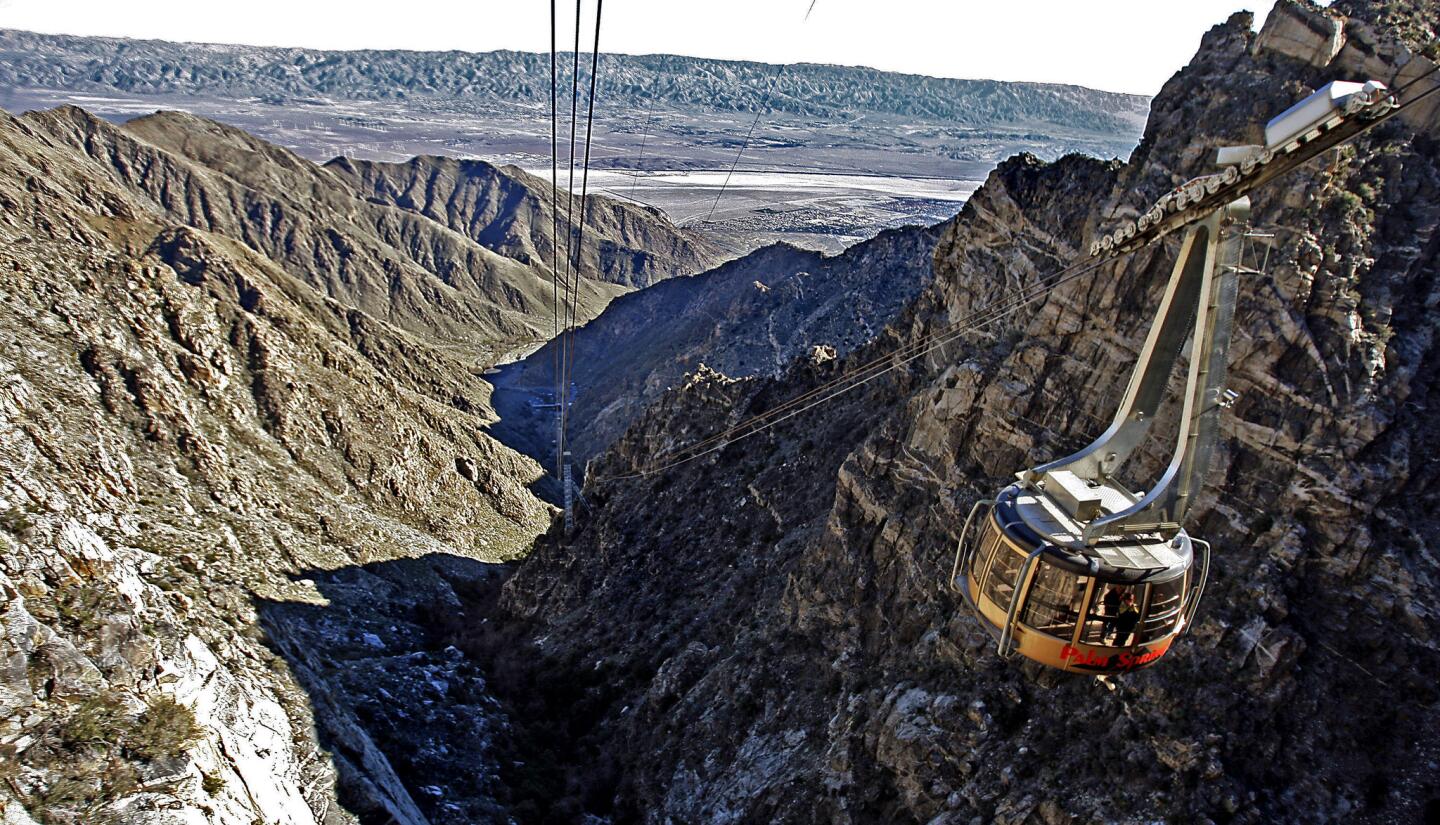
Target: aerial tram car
<point>1068,566</point>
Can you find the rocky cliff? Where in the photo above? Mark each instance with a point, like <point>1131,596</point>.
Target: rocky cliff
<point>190,438</point>
<point>762,635</point>
<point>751,316</point>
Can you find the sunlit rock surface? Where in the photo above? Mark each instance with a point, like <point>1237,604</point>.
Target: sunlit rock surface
<point>764,635</point>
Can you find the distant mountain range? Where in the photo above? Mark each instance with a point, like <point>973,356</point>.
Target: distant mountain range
<point>469,79</point>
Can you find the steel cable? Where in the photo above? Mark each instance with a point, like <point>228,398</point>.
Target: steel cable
<point>554,197</point>
<point>860,376</point>
<point>567,343</point>
<point>746,143</point>
<point>644,138</point>
<point>561,389</point>
<point>905,352</point>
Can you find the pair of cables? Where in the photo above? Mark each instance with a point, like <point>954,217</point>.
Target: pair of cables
<point>565,281</point>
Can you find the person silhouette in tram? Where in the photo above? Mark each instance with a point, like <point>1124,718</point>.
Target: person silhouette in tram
<point>1111,603</point>
<point>1127,619</point>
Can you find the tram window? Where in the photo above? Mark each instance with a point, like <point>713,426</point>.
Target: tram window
<point>1104,608</point>
<point>1053,601</point>
<point>1000,583</point>
<point>989,543</point>
<point>1166,599</point>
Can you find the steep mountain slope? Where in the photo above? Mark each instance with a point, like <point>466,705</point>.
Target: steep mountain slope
<point>752,316</point>
<point>184,427</point>
<point>510,212</point>
<point>153,67</point>
<point>391,262</point>
<point>762,635</point>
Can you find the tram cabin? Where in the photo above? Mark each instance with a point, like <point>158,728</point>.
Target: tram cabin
<point>1112,607</point>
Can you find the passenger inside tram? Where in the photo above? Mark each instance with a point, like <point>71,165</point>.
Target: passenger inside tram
<point>1125,620</point>
<point>1112,610</point>
<point>1104,610</point>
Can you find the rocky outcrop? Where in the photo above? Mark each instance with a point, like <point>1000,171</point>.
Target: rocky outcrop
<point>752,316</point>
<point>187,429</point>
<point>762,634</point>
<point>509,211</point>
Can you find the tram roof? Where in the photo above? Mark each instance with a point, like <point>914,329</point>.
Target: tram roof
<point>1137,553</point>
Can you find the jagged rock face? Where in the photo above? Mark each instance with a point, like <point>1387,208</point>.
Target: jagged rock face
<point>183,427</point>
<point>513,213</point>
<point>769,627</point>
<point>752,316</point>
<point>397,264</point>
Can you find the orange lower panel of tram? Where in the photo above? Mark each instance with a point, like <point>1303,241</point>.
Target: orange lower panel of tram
<point>1076,657</point>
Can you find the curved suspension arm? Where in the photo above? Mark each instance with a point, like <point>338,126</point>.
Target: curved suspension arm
<point>1163,508</point>
<point>1199,297</point>
<point>1173,321</point>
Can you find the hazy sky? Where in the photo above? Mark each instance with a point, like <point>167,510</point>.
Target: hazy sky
<point>1127,45</point>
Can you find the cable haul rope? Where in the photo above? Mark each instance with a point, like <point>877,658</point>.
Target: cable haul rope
<point>567,343</point>
<point>759,111</point>
<point>570,185</point>
<point>1177,209</point>
<point>770,89</point>
<point>565,282</point>
<point>555,197</point>
<point>864,374</point>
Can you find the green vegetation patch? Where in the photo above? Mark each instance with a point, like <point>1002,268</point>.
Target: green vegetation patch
<point>97,753</point>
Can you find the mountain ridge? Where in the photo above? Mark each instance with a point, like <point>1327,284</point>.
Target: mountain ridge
<point>505,209</point>
<point>395,263</point>
<point>152,66</point>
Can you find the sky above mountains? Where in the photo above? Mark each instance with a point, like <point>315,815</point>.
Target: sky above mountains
<point>1123,46</point>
